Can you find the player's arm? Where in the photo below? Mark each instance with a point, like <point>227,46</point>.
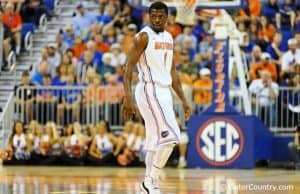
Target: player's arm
<point>176,85</point>
<point>136,49</point>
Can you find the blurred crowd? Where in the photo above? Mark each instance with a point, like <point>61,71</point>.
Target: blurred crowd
<point>91,51</point>
<point>14,13</point>
<point>76,144</point>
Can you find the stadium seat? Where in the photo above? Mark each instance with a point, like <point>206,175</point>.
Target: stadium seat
<point>50,5</point>
<point>27,31</point>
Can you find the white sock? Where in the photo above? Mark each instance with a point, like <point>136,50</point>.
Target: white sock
<point>181,158</point>
<point>149,162</point>
<point>160,159</point>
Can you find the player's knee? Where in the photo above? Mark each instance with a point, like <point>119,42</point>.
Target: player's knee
<point>184,139</point>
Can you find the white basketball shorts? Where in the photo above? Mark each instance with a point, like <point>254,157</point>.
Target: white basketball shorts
<point>156,107</point>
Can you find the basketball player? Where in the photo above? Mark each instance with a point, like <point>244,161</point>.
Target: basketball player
<point>152,53</point>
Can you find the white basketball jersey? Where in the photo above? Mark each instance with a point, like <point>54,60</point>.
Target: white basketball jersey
<point>155,63</point>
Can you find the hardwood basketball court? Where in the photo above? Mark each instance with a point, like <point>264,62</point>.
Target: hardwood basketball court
<point>98,180</point>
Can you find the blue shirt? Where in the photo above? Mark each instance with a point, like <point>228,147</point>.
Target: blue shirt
<point>272,52</point>
<point>97,59</point>
<point>69,40</point>
<point>82,22</point>
<point>37,78</point>
<point>71,95</point>
<point>104,19</point>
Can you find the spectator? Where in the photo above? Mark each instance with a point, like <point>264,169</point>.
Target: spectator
<point>274,48</point>
<point>71,99</point>
<point>37,77</point>
<point>79,47</point>
<point>24,96</point>
<point>247,45</point>
<point>41,59</point>
<point>94,97</point>
<point>265,93</point>
<point>186,66</point>
<point>187,31</point>
<point>188,45</point>
<point>101,149</point>
<point>108,15</point>
<point>32,10</point>
<point>67,60</point>
<point>263,65</point>
<point>69,36</point>
<point>7,38</point>
<point>83,67</point>
<point>70,54</point>
<point>270,9</point>
<point>266,30</point>
<point>110,36</point>
<point>206,45</point>
<point>102,47</point>
<point>114,98</point>
<point>290,57</point>
<point>46,100</point>
<point>107,68</point>
<point>202,90</point>
<point>83,21</point>
<point>96,55</point>
<point>54,58</point>
<point>118,57</point>
<point>252,9</point>
<point>255,55</point>
<point>61,45</point>
<point>61,77</point>
<point>132,30</point>
<point>286,15</point>
<point>13,20</point>
<point>120,73</point>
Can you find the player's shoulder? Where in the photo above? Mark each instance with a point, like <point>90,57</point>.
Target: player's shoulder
<point>168,34</point>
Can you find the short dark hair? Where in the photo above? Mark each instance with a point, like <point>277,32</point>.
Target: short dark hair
<point>47,76</point>
<point>25,74</point>
<point>158,5</point>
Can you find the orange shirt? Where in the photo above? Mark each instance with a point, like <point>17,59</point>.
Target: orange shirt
<point>95,95</point>
<point>269,32</point>
<point>114,94</point>
<point>203,91</point>
<point>12,20</point>
<point>259,66</point>
<point>174,30</point>
<point>102,47</point>
<point>254,7</point>
<point>79,49</point>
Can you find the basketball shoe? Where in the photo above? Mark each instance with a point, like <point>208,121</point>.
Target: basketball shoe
<point>149,186</point>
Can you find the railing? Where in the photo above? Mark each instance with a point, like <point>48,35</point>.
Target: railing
<point>87,105</point>
<point>281,114</point>
<point>68,104</point>
<point>6,121</point>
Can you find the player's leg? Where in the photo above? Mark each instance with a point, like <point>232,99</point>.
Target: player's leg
<point>169,132</point>
<point>150,126</point>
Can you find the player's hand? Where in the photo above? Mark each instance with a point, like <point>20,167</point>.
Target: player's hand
<point>129,109</point>
<point>187,111</point>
